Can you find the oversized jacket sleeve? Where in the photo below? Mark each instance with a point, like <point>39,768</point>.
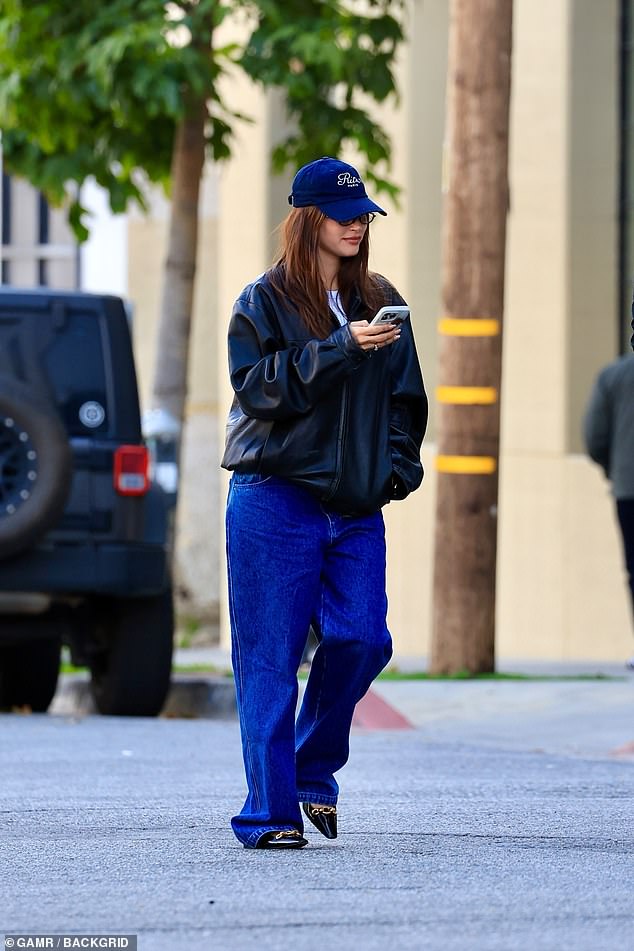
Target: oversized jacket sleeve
<point>275,380</point>
<point>408,413</point>
<point>597,424</point>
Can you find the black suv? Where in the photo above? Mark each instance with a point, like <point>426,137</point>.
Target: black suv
<point>85,531</point>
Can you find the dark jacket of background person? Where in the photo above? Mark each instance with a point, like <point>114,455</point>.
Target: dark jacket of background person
<point>609,425</point>
<point>345,424</point>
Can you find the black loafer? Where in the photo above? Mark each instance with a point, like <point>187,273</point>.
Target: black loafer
<point>286,839</point>
<point>322,817</point>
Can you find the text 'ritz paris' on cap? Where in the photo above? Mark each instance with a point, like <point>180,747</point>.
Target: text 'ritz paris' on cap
<point>332,186</point>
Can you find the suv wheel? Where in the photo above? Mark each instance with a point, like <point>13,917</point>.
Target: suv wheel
<point>131,672</point>
<point>28,674</point>
<point>35,467</point>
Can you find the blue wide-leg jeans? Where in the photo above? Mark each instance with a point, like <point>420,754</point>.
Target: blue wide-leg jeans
<point>291,562</point>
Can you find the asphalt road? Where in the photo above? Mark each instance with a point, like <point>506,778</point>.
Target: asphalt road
<point>114,825</point>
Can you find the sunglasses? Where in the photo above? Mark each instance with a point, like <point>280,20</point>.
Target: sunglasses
<point>365,219</point>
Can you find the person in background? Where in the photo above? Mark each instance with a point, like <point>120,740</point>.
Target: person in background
<point>325,429</point>
<point>609,437</point>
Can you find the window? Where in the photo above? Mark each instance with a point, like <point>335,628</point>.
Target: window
<point>76,383</point>
<point>38,247</point>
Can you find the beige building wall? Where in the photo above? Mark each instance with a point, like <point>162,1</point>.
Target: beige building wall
<point>561,587</point>
<point>561,582</point>
<point>249,214</point>
<point>198,558</point>
<point>410,524</point>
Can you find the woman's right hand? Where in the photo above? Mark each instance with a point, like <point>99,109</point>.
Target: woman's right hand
<point>375,337</point>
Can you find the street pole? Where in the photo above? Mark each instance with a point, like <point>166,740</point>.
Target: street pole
<point>474,234</point>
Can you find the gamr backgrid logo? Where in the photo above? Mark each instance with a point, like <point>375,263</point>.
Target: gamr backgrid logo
<point>127,942</point>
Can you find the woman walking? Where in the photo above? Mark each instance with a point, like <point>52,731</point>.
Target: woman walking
<point>325,428</point>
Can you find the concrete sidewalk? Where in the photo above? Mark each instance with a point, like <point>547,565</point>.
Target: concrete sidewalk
<point>592,717</point>
<point>581,718</point>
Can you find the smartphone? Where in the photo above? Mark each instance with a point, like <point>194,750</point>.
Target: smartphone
<point>395,314</point>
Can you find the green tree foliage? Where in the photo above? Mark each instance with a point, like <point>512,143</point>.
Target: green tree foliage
<point>328,59</point>
<point>98,89</point>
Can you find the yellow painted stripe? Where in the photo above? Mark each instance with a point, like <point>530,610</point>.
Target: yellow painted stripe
<point>469,326</point>
<point>466,465</point>
<point>467,394</point>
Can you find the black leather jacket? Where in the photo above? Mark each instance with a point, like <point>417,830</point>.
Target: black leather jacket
<point>345,423</point>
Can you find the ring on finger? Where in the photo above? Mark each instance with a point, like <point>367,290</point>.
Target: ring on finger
<point>376,346</point>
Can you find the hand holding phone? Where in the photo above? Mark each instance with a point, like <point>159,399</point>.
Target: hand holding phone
<point>383,330</point>
<point>393,314</point>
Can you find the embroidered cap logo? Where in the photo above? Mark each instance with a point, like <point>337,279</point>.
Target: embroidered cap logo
<point>345,178</point>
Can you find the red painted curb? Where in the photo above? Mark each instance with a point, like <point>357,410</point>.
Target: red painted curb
<point>374,713</point>
<point>627,750</point>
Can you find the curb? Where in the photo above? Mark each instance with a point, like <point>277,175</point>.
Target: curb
<point>213,697</point>
<point>374,713</point>
<point>189,697</point>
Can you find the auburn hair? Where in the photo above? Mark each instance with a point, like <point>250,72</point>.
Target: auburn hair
<point>295,274</point>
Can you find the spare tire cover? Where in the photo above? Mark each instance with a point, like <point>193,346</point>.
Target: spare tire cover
<point>35,467</point>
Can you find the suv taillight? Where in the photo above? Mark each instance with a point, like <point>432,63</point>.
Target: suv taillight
<point>131,470</point>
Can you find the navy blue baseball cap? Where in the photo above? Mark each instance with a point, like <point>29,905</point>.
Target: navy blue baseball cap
<point>332,186</point>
